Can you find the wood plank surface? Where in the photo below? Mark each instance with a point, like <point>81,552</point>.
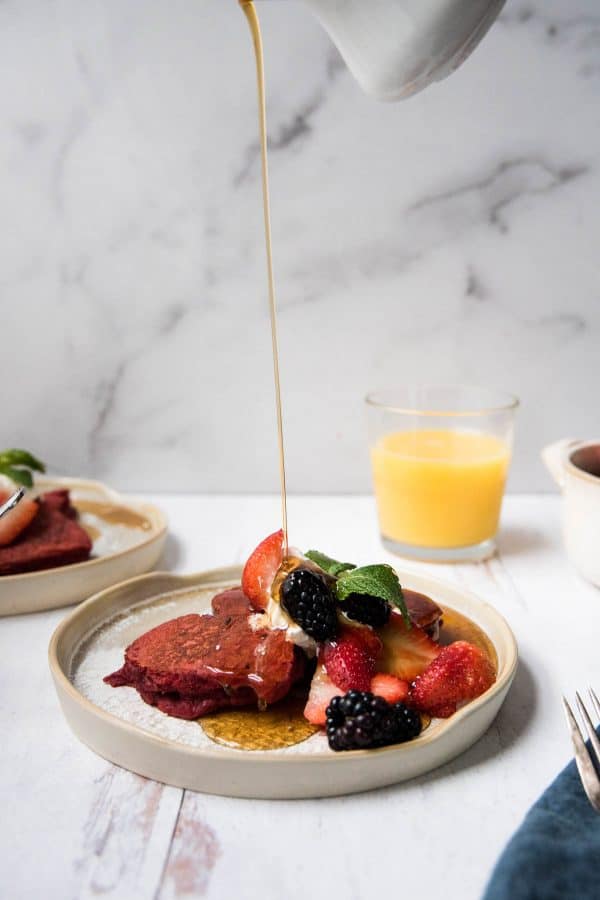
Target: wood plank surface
<point>74,826</point>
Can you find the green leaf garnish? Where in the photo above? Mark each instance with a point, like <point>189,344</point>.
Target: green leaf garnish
<point>18,465</point>
<point>329,565</point>
<point>19,476</point>
<point>377,580</point>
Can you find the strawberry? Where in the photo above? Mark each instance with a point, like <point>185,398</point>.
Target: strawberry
<point>367,637</point>
<point>392,689</point>
<point>406,651</point>
<point>350,658</point>
<point>460,672</point>
<point>14,522</point>
<point>261,568</point>
<point>322,690</point>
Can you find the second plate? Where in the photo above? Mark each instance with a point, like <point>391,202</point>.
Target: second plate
<point>128,539</point>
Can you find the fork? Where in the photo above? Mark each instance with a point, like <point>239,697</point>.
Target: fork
<point>12,501</point>
<point>587,760</point>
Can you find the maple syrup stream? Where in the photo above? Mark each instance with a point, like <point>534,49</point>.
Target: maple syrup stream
<point>283,724</point>
<point>252,17</point>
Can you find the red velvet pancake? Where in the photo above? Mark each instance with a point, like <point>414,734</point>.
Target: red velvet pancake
<point>195,664</point>
<point>54,538</point>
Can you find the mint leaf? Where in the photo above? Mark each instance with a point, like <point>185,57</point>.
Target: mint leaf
<point>378,580</point>
<point>329,565</point>
<point>19,476</point>
<point>21,458</point>
<point>16,465</point>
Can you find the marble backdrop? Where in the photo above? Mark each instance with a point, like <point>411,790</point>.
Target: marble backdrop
<point>452,237</point>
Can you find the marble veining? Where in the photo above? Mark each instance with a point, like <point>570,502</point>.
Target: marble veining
<point>450,237</point>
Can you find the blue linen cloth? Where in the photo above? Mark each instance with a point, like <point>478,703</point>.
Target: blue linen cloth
<point>555,854</point>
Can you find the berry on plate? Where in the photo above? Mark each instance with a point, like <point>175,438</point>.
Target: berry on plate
<point>360,720</point>
<point>407,651</point>
<point>261,568</point>
<point>367,609</point>
<point>461,672</point>
<point>16,520</point>
<point>350,658</point>
<point>392,689</point>
<point>322,690</point>
<point>367,637</point>
<point>309,601</point>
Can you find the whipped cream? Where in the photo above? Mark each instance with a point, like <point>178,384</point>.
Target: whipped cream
<point>276,618</point>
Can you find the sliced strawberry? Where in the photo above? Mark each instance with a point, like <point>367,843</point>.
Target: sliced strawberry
<point>350,659</point>
<point>261,568</point>
<point>461,672</point>
<point>14,522</point>
<point>322,690</point>
<point>392,689</point>
<point>367,637</point>
<point>406,651</point>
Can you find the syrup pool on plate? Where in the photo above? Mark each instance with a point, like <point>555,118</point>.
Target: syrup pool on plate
<point>250,728</point>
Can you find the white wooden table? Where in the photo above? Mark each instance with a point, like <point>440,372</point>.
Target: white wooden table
<point>74,826</point>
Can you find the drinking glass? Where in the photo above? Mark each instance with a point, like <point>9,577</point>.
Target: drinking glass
<point>440,457</point>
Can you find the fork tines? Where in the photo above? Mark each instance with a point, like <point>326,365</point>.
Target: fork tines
<point>588,760</point>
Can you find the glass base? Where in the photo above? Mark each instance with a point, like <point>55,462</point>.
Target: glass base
<point>472,553</point>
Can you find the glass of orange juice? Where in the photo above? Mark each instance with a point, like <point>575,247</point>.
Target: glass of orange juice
<point>440,458</point>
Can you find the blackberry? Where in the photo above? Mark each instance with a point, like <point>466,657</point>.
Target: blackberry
<point>365,608</point>
<point>359,720</point>
<point>306,597</point>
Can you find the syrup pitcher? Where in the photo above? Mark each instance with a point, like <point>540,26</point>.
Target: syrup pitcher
<point>395,48</point>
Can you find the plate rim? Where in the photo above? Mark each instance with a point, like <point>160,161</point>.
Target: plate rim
<point>157,517</point>
<point>222,752</point>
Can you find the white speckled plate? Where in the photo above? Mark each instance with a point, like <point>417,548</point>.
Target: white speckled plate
<point>123,546</point>
<point>118,725</point>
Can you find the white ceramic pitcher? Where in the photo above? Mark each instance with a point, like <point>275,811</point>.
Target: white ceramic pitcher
<point>575,466</point>
<point>397,47</point>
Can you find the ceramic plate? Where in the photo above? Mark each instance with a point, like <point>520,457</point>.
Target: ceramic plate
<point>119,726</point>
<point>128,539</point>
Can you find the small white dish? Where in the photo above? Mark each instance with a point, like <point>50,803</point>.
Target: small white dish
<point>120,550</point>
<point>575,467</point>
<point>119,726</point>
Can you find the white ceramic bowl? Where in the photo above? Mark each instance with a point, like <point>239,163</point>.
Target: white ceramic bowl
<point>311,772</point>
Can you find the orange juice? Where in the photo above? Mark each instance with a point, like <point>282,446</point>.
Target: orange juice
<point>439,488</point>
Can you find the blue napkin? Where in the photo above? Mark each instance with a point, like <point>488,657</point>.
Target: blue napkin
<point>555,854</point>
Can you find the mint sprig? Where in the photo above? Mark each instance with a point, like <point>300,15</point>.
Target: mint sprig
<point>18,466</point>
<point>376,580</point>
<point>329,565</point>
